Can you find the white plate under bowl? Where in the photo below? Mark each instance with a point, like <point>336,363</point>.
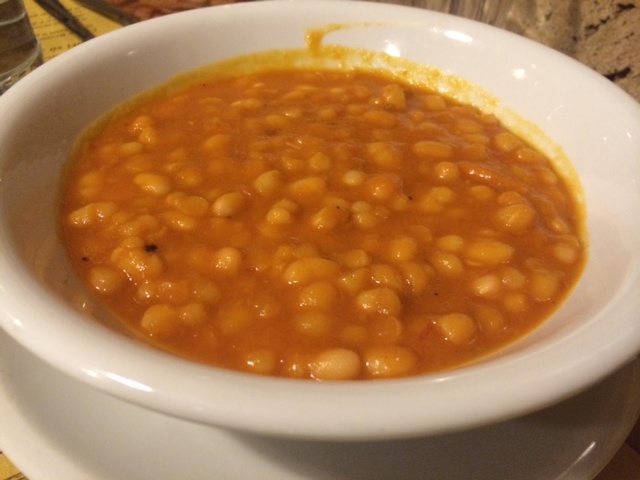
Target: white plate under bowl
<point>53,426</point>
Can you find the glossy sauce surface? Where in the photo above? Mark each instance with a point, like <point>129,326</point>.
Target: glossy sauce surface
<point>327,225</point>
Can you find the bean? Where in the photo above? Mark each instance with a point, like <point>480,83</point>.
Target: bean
<point>306,270</point>
<point>320,295</point>
<point>355,258</point>
<point>149,136</point>
<point>234,318</point>
<point>153,183</point>
<point>543,285</point>
<point>91,213</point>
<point>192,205</point>
<point>160,319</point>
<point>436,199</point>
<point>507,142</point>
<point>487,286</point>
<point>279,216</point>
<point>228,204</point>
<point>381,300</point>
<point>106,280</point>
<point>446,171</point>
<point>402,249</point>
<point>489,252</point>
<point>528,155</point>
<point>516,218</point>
<point>515,302</point>
<point>355,281</point>
<point>228,260</point>
<point>477,139</point>
<point>131,148</point>
<point>393,96</point>
<point>482,192</point>
<point>446,264</point>
<point>328,113</point>
<point>435,102</point>
<point>457,328</point>
<point>313,323</point>
<point>329,218</point>
<point>489,319</point>
<point>386,275</point>
<point>468,126</point>
<point>248,104</point>
<point>416,276</point>
<point>354,178</point>
<point>567,254</point>
<point>450,243</point>
<point>380,118</point>
<point>193,314</point>
<point>320,162</point>
<point>173,292</point>
<point>384,155</point>
<point>381,187</point>
<point>139,123</point>
<point>218,142</point>
<point>307,188</point>
<point>352,334</point>
<point>269,182</point>
<point>386,329</point>
<point>366,220</point>
<point>189,177</point>
<point>179,221</point>
<point>512,278</point>
<point>432,149</point>
<point>389,361</point>
<point>203,290</point>
<point>263,361</point>
<point>277,121</point>
<point>336,364</point>
<point>138,264</point>
<point>491,177</point>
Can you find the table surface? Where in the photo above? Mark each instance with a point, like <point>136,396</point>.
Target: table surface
<point>55,39</point>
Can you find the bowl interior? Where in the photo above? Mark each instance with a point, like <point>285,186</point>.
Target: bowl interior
<point>596,125</point>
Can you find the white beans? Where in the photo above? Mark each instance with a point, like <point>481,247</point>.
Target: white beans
<point>325,225</point>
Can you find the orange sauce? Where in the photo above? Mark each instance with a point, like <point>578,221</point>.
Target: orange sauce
<point>323,224</point>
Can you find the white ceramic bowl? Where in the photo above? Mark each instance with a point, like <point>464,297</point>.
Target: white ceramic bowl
<point>597,125</point>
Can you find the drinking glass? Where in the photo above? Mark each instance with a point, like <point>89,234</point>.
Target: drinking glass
<point>20,50</point>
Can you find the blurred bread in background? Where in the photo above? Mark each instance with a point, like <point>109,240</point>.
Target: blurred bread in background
<point>603,34</point>
<point>146,9</point>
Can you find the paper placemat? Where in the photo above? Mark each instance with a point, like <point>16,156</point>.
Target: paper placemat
<point>8,471</point>
<point>54,37</point>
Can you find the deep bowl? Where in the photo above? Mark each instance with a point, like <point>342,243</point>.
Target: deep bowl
<point>597,126</point>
